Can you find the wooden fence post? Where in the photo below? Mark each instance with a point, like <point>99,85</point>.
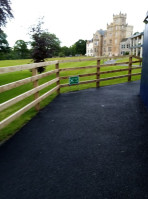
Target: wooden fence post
<point>58,75</point>
<point>129,68</point>
<point>35,84</point>
<point>98,73</point>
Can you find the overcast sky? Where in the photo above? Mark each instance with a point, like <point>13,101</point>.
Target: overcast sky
<point>71,20</point>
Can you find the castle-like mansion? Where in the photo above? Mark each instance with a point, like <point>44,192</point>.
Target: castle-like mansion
<point>107,42</point>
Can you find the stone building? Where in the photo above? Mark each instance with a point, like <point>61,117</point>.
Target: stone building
<point>89,48</point>
<point>107,42</point>
<point>94,47</point>
<point>98,42</point>
<point>125,48</point>
<point>136,44</point>
<point>132,45</point>
<point>116,32</point>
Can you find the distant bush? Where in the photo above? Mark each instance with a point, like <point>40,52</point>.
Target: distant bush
<point>61,54</point>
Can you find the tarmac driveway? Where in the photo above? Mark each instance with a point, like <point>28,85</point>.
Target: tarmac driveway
<point>90,144</point>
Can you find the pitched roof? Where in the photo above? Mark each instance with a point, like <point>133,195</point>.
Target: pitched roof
<point>101,32</point>
<point>125,39</point>
<point>137,34</point>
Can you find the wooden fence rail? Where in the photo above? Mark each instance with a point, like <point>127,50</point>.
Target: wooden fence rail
<point>57,71</point>
<point>26,94</point>
<point>21,82</point>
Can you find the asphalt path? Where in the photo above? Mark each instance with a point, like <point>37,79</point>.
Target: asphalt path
<point>90,144</point>
<point>112,61</point>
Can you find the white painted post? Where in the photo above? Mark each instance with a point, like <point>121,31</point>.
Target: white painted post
<point>137,40</point>
<point>133,46</point>
<point>141,49</point>
<point>131,43</point>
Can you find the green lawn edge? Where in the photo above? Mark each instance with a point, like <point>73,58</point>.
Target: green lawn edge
<point>15,126</point>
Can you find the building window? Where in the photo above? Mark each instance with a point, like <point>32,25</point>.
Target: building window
<point>115,41</point>
<point>104,41</point>
<point>110,41</point>
<point>109,49</point>
<point>127,46</point>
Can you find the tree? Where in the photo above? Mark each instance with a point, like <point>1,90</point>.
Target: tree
<point>44,44</point>
<point>136,33</point>
<point>21,50</point>
<point>64,51</point>
<point>5,12</point>
<point>72,50</point>
<point>81,47</point>
<point>4,45</point>
<point>3,42</point>
<point>78,47</point>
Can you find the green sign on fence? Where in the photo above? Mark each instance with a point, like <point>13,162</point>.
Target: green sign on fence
<point>73,80</point>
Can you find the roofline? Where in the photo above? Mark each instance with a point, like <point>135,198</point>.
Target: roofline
<point>141,33</point>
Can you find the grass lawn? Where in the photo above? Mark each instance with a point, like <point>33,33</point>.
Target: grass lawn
<point>127,59</point>
<point>10,77</point>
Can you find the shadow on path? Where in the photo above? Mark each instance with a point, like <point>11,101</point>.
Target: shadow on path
<point>90,144</point>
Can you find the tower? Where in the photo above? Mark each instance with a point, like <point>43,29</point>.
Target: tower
<point>116,31</point>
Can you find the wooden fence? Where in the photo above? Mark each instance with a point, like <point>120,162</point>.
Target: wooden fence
<point>36,87</point>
